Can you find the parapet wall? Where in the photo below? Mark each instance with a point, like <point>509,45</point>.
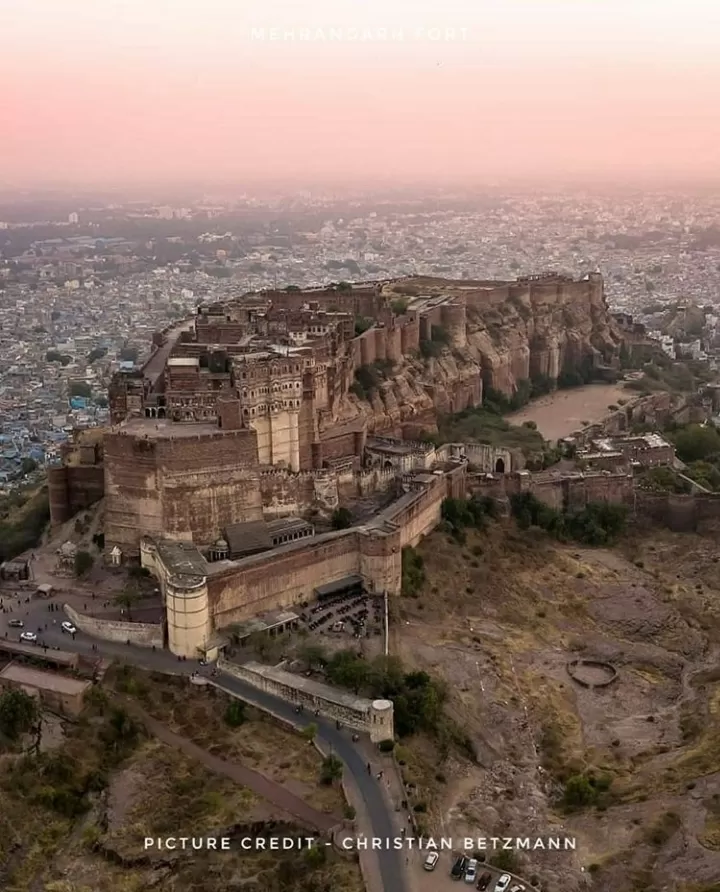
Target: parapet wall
<point>140,634</point>
<point>366,716</point>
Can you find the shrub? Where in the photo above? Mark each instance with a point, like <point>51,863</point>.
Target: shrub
<point>235,714</point>
<point>386,746</point>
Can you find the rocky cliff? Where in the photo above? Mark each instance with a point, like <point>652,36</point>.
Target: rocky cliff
<point>502,334</point>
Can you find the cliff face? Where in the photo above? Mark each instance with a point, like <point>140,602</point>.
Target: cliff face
<point>509,333</point>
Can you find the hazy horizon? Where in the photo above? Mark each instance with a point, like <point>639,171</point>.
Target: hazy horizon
<point>130,91</point>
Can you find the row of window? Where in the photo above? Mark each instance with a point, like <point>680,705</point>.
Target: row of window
<point>273,407</point>
<point>290,537</point>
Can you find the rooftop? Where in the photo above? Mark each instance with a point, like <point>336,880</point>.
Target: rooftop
<point>43,681</point>
<point>182,558</point>
<point>154,429</point>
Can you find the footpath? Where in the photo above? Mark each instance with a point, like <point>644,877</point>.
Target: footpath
<point>240,774</point>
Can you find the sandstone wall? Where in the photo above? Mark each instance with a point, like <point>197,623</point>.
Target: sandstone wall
<point>168,487</point>
<point>281,578</point>
<point>353,712</point>
<point>140,634</point>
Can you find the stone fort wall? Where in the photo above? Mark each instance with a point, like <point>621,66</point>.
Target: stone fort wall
<point>72,489</point>
<point>286,576</point>
<point>141,634</point>
<point>166,487</point>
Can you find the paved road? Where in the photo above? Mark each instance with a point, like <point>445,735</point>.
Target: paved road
<point>35,615</point>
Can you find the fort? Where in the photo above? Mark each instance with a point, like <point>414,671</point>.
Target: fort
<point>253,421</point>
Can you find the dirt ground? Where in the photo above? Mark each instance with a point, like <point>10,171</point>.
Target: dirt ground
<point>158,791</point>
<point>499,619</point>
<point>561,413</point>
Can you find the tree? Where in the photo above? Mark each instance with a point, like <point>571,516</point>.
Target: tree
<point>128,598</point>
<point>96,353</point>
<point>83,563</point>
<point>19,712</point>
<point>28,465</point>
<point>331,770</point>
<point>341,519</point>
<point>80,388</point>
<point>696,442</point>
<point>235,714</point>
<point>309,732</point>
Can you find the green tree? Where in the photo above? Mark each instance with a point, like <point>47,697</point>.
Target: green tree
<point>341,519</point>
<point>696,442</point>
<point>80,388</point>
<point>331,769</point>
<point>309,732</point>
<point>19,712</point>
<point>28,465</point>
<point>83,563</point>
<point>96,353</point>
<point>128,598</point>
<point>235,714</point>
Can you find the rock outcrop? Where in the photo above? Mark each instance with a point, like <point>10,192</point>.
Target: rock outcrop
<point>501,334</point>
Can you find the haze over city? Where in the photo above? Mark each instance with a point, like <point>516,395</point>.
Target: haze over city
<point>133,91</point>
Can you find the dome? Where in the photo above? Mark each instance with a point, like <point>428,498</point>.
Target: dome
<point>221,545</point>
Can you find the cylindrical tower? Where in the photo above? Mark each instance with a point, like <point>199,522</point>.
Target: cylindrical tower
<point>382,726</point>
<point>188,615</point>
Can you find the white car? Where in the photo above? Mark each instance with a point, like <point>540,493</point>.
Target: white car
<point>28,636</point>
<point>471,871</point>
<point>431,861</point>
<point>503,883</point>
<point>518,888</point>
<point>68,627</point>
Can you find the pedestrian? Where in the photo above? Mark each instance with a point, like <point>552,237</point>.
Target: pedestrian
<point>369,769</point>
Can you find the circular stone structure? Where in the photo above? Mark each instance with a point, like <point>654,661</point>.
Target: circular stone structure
<point>381,720</point>
<point>592,673</point>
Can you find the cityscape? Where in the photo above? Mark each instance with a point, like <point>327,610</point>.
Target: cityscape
<point>359,446</point>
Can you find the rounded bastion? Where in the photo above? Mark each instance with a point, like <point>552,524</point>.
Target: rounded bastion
<point>381,721</point>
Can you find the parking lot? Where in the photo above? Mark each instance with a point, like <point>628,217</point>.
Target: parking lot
<point>440,880</point>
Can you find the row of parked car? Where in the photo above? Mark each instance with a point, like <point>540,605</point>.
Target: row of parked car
<point>469,870</point>
<point>31,637</point>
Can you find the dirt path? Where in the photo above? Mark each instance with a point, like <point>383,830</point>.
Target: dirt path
<point>246,777</point>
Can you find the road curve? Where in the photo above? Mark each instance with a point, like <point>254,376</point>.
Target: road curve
<point>389,860</point>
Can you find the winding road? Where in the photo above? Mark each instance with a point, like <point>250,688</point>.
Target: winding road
<point>392,870</point>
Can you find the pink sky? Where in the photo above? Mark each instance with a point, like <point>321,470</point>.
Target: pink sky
<point>117,91</point>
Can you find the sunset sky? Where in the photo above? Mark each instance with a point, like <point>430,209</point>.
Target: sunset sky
<point>122,91</point>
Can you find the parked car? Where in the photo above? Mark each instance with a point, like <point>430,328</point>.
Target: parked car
<point>503,883</point>
<point>16,624</point>
<point>28,636</point>
<point>458,868</point>
<point>484,880</point>
<point>68,627</point>
<point>430,863</point>
<point>518,888</point>
<point>471,869</point>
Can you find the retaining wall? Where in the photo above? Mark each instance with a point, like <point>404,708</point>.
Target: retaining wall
<point>140,634</point>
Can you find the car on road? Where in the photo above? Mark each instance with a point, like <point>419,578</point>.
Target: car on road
<point>503,883</point>
<point>471,869</point>
<point>458,868</point>
<point>68,627</point>
<point>430,863</point>
<point>484,880</point>
<point>16,624</point>
<point>28,636</point>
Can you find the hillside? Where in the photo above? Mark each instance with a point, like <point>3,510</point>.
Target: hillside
<point>504,338</point>
<point>74,817</point>
<point>631,770</point>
